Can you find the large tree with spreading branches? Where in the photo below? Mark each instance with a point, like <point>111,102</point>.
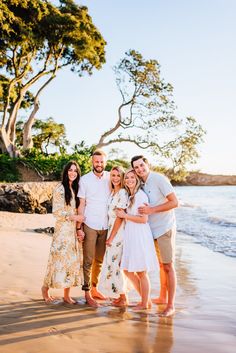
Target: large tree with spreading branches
<point>146,116</point>
<point>37,39</point>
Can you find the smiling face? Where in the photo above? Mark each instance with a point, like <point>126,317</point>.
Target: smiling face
<point>72,173</point>
<point>141,169</point>
<point>130,180</point>
<point>115,178</point>
<point>99,164</point>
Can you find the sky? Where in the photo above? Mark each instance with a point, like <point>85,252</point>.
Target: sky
<point>194,42</point>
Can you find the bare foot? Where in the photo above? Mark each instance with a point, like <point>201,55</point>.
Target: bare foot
<point>90,301</point>
<point>96,294</point>
<point>149,304</point>
<point>69,300</point>
<point>159,301</point>
<point>141,307</point>
<point>169,311</point>
<point>45,294</point>
<point>121,303</point>
<point>116,300</point>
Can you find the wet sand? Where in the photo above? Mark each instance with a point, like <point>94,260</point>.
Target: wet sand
<point>205,319</point>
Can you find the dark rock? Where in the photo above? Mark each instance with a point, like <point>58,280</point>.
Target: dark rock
<point>48,230</point>
<point>31,197</point>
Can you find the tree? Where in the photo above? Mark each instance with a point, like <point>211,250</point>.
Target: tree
<point>146,115</point>
<point>45,134</point>
<point>37,39</point>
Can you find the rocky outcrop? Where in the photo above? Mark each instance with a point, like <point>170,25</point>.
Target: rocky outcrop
<point>31,197</point>
<point>210,180</point>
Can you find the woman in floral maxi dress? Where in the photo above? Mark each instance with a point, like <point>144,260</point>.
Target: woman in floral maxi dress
<point>64,263</point>
<point>112,280</point>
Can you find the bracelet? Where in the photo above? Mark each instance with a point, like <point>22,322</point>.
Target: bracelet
<point>78,228</point>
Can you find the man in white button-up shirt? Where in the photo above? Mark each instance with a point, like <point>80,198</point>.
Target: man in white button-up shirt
<point>93,193</point>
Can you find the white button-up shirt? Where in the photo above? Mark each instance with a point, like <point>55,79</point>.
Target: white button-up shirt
<point>95,191</point>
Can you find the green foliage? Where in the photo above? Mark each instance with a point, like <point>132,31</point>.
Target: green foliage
<point>45,134</point>
<point>119,162</point>
<point>146,116</point>
<point>37,39</point>
<point>175,176</point>
<point>51,166</point>
<point>8,169</point>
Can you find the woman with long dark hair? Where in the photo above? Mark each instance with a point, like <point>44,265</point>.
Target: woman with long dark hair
<point>64,263</point>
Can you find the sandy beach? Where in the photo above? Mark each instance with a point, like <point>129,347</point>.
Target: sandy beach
<point>205,319</point>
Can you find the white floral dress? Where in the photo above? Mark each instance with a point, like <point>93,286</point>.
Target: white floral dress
<point>112,280</point>
<point>63,263</point>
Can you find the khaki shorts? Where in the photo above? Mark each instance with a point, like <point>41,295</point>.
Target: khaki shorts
<point>165,247</point>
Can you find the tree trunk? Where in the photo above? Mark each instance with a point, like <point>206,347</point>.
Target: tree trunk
<point>6,144</point>
<point>27,137</point>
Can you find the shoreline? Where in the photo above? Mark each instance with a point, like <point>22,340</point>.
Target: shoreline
<point>205,316</point>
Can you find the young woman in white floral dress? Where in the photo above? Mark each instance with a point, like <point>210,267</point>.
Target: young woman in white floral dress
<point>139,255</point>
<point>112,279</point>
<point>64,263</point>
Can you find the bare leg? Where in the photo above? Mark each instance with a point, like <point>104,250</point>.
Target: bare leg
<point>145,290</point>
<point>171,285</point>
<point>162,299</point>
<point>45,294</point>
<point>133,277</point>
<point>67,298</point>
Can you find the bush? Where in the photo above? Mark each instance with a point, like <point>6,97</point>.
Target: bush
<point>51,165</point>
<point>8,169</point>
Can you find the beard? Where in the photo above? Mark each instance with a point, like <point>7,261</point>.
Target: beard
<point>98,169</point>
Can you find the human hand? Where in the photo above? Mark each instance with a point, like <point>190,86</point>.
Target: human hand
<point>80,235</point>
<point>145,209</point>
<point>109,242</point>
<point>120,213</point>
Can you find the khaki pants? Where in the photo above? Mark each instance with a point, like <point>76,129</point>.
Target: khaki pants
<point>94,247</point>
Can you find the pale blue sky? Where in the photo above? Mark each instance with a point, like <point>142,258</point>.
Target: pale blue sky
<point>195,43</point>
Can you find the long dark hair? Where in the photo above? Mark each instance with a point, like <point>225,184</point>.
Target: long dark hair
<point>75,183</point>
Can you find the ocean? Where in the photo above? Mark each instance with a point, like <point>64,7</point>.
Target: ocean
<point>208,215</point>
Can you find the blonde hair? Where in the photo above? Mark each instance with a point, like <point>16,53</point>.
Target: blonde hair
<point>136,189</point>
<point>121,171</point>
<point>99,152</point>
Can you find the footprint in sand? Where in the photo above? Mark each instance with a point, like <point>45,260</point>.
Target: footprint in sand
<point>53,331</point>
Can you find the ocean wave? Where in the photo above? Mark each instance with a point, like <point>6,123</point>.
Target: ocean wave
<point>186,204</point>
<point>223,246</point>
<point>221,222</point>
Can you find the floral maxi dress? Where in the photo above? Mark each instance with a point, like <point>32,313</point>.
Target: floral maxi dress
<point>112,281</point>
<point>63,263</point>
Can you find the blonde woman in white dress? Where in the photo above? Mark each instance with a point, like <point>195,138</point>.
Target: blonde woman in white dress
<point>112,279</point>
<point>139,255</point>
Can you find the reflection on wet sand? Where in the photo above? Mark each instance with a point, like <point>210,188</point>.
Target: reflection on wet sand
<point>137,332</point>
<point>148,332</point>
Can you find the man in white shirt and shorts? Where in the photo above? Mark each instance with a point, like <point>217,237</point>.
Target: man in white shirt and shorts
<point>162,201</point>
<point>93,193</point>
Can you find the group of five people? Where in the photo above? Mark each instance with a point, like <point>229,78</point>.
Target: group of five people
<point>125,221</point>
